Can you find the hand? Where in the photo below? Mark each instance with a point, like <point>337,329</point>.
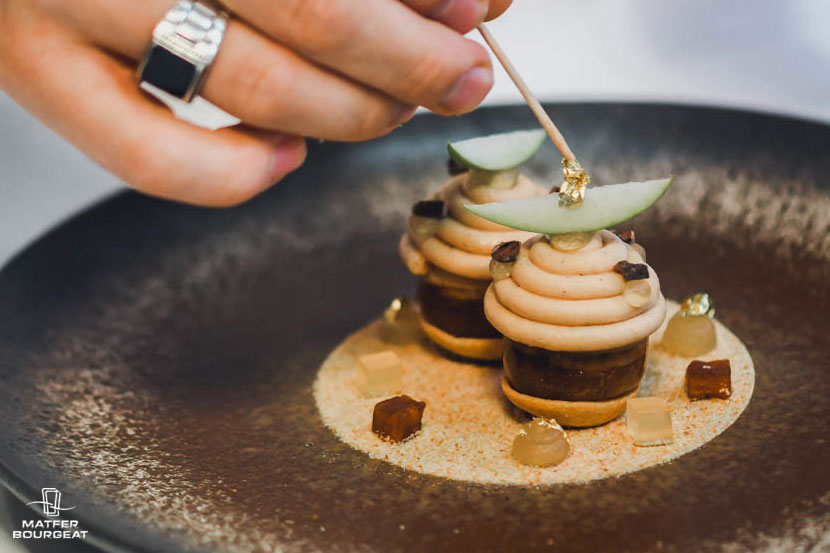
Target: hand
<point>333,69</point>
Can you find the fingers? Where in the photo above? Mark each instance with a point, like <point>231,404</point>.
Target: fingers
<point>263,83</point>
<point>381,43</point>
<point>269,86</point>
<point>93,101</point>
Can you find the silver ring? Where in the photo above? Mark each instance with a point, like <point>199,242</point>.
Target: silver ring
<point>183,46</point>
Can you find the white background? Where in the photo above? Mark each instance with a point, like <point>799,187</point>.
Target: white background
<point>770,55</point>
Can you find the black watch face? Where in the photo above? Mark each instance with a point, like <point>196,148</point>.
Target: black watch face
<point>168,71</point>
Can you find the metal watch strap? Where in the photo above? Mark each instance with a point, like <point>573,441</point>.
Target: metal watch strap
<point>191,31</point>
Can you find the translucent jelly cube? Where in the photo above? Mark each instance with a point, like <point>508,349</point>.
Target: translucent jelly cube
<point>649,421</point>
<point>378,374</point>
<point>401,311</point>
<point>709,379</point>
<point>395,419</point>
<point>401,322</point>
<point>690,335</point>
<point>541,442</point>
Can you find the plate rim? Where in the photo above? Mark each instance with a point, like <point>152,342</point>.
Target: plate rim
<point>100,536</point>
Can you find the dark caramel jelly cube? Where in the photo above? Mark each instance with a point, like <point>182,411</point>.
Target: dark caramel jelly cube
<point>397,418</point>
<point>709,379</point>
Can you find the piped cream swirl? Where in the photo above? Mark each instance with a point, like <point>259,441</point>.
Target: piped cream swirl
<point>463,241</point>
<point>573,301</point>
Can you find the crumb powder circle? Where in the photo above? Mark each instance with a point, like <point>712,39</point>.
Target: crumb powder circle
<point>468,426</point>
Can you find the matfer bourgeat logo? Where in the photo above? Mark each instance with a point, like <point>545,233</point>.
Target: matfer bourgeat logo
<point>51,502</point>
<point>51,528</point>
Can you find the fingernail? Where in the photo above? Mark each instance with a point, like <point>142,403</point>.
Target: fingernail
<point>403,114</point>
<point>469,90</point>
<point>443,9</point>
<point>289,154</point>
<point>462,15</point>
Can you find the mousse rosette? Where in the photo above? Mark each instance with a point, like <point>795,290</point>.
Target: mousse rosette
<point>573,300</point>
<point>462,242</point>
<point>451,253</point>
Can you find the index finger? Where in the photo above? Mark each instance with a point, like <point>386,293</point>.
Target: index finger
<point>381,43</point>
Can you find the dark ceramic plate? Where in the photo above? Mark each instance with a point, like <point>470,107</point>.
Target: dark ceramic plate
<point>156,359</point>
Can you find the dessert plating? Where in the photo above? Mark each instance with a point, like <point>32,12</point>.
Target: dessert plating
<point>573,341</point>
<point>570,311</point>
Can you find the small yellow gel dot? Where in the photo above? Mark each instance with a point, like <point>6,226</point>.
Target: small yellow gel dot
<point>691,332</point>
<point>500,271</point>
<point>541,442</point>
<point>570,241</point>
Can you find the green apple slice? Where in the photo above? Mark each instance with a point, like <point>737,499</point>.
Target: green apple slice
<point>603,207</point>
<point>497,152</point>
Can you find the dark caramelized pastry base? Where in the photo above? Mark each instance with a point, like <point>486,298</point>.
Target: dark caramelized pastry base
<point>456,311</point>
<point>574,376</point>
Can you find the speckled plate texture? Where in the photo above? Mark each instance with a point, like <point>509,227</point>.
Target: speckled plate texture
<point>156,360</point>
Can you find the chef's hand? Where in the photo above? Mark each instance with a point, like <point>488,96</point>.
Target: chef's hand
<point>334,69</point>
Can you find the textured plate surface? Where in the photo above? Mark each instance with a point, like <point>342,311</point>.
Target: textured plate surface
<point>156,359</point>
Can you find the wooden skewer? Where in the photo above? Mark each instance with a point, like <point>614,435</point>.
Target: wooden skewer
<point>535,106</point>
